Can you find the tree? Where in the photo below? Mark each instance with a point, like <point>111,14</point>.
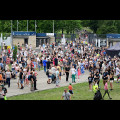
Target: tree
<point>15,53</point>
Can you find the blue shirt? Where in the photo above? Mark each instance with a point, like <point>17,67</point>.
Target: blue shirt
<point>44,62</point>
<point>1,65</point>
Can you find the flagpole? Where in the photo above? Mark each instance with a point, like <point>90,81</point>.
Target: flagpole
<point>27,25</point>
<point>11,34</point>
<point>35,25</point>
<point>53,26</point>
<point>17,25</point>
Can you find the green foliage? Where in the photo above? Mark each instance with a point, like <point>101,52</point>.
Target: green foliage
<point>15,53</point>
<point>43,26</point>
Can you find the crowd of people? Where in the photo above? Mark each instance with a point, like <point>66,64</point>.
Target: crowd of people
<point>71,60</point>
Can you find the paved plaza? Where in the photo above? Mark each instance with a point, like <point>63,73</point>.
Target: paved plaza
<point>42,83</point>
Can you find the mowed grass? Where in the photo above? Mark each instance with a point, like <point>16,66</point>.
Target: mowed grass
<point>81,92</point>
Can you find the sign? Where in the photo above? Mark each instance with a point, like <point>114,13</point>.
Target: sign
<point>49,34</point>
<point>23,33</point>
<point>113,35</point>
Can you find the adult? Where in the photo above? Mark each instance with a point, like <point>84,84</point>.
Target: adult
<point>21,79</point>
<point>66,95</point>
<point>34,79</point>
<point>73,74</point>
<point>44,64</point>
<point>8,77</point>
<point>117,72</point>
<point>67,69</point>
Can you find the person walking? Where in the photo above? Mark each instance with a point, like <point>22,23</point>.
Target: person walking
<point>66,95</point>
<point>106,90</point>
<point>44,64</point>
<point>78,71</point>
<point>111,80</point>
<point>67,69</point>
<point>21,79</point>
<point>70,89</point>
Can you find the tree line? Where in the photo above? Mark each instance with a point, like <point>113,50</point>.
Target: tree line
<point>61,26</point>
<point>42,26</point>
<point>103,26</point>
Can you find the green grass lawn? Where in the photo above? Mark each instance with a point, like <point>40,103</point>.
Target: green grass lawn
<point>81,92</point>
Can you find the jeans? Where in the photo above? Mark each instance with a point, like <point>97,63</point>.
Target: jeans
<point>39,66</point>
<point>44,68</point>
<point>57,81</point>
<point>8,81</point>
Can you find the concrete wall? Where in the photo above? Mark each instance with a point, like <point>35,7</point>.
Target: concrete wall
<point>32,41</point>
<point>18,40</point>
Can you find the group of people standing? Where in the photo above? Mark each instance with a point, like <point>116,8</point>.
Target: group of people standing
<point>71,59</point>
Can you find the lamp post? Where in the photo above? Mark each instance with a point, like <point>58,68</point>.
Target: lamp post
<point>17,25</point>
<point>11,34</point>
<point>53,26</point>
<point>27,25</point>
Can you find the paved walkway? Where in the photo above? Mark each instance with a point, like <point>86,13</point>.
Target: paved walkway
<point>42,84</point>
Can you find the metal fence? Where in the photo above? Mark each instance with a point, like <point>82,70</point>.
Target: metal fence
<point>68,37</point>
<point>98,40</point>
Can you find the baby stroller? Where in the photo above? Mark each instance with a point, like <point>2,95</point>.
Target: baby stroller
<point>13,74</point>
<point>53,77</point>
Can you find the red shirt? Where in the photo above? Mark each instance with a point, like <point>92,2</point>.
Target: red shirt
<point>9,51</point>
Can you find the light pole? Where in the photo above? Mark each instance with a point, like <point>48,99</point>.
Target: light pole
<point>53,26</point>
<point>35,25</point>
<point>17,25</point>
<point>11,34</point>
<point>27,25</point>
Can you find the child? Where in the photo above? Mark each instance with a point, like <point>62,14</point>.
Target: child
<point>106,90</point>
<point>78,72</point>
<point>70,89</point>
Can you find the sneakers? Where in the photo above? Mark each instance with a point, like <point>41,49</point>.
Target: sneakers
<point>21,87</point>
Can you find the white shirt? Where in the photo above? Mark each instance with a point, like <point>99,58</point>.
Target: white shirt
<point>117,71</point>
<point>73,70</point>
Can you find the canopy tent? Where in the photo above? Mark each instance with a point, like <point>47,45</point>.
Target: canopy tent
<point>114,50</point>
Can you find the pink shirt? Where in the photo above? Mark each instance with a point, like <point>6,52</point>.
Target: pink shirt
<point>106,86</point>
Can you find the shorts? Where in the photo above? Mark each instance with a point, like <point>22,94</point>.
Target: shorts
<point>70,91</point>
<point>21,81</point>
<point>60,74</point>
<point>118,76</point>
<point>90,82</point>
<point>111,81</point>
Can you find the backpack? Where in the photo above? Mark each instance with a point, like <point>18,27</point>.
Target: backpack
<point>1,77</point>
<point>29,77</point>
<point>47,73</point>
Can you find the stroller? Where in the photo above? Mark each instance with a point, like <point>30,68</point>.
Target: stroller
<point>53,77</point>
